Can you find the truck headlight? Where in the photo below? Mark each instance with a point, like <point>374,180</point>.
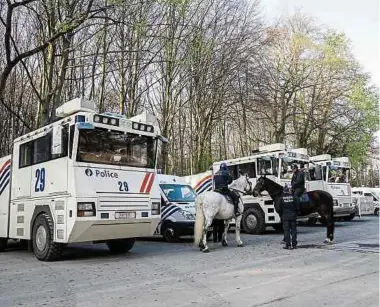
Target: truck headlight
<point>335,202</point>
<point>85,209</point>
<point>156,208</point>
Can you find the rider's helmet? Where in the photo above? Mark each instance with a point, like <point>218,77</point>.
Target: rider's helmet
<point>223,167</point>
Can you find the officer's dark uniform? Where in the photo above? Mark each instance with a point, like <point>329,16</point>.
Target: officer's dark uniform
<point>298,183</point>
<point>289,219</point>
<point>222,179</point>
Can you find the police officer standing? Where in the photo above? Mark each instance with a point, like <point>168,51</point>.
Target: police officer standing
<point>222,179</point>
<point>289,219</point>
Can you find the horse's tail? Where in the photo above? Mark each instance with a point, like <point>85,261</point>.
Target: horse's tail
<point>199,220</point>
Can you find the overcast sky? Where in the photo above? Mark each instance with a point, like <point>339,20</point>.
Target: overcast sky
<point>359,20</point>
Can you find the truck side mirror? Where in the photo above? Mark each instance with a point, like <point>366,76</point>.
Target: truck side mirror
<point>56,144</point>
<point>163,139</point>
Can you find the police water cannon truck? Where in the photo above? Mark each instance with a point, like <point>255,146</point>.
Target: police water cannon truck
<point>272,160</point>
<point>86,177</point>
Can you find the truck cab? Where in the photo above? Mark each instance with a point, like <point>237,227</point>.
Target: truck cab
<point>177,207</point>
<point>336,181</point>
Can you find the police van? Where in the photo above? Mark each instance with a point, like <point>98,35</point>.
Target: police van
<point>368,199</point>
<point>177,207</point>
<point>86,177</point>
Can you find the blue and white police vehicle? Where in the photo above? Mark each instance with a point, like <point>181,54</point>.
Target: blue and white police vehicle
<point>177,207</point>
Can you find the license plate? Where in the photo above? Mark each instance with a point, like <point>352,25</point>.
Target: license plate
<point>346,205</point>
<point>125,215</point>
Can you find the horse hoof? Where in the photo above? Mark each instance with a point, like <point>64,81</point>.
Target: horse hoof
<point>206,250</point>
<point>241,245</point>
<point>224,243</point>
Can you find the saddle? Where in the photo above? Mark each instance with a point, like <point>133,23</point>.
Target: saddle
<point>304,201</point>
<point>226,196</point>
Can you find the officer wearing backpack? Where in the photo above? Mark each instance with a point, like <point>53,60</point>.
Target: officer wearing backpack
<point>289,219</point>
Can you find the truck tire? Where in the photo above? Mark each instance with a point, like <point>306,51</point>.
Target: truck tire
<point>349,218</point>
<point>253,221</point>
<point>323,221</point>
<point>312,221</point>
<point>120,246</point>
<point>45,249</point>
<point>278,228</point>
<point>376,212</point>
<point>3,244</point>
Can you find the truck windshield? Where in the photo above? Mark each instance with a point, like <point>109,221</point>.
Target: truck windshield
<point>286,167</point>
<point>116,148</point>
<point>339,174</point>
<point>178,192</point>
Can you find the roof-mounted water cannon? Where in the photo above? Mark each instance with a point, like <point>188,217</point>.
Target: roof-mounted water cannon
<point>342,162</point>
<point>272,147</point>
<point>74,106</point>
<point>319,158</point>
<point>302,151</point>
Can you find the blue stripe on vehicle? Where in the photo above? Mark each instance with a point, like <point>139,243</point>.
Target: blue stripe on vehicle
<point>4,186</point>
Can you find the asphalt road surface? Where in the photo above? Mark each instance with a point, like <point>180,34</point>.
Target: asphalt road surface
<point>155,273</point>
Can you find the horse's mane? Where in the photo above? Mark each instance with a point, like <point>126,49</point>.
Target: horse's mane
<point>274,183</point>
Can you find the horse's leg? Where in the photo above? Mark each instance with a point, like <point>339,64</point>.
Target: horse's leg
<point>328,215</point>
<point>207,223</point>
<point>225,232</point>
<point>237,231</point>
<point>330,225</point>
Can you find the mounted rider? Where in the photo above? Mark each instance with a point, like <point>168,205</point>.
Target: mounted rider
<point>222,179</point>
<point>298,183</point>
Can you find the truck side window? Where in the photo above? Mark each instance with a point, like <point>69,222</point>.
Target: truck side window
<point>233,169</point>
<point>65,143</point>
<point>42,149</point>
<point>248,168</point>
<point>26,154</point>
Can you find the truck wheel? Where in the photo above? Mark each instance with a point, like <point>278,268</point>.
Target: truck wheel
<point>169,233</point>
<point>253,221</point>
<point>349,218</point>
<point>45,249</point>
<point>278,228</point>
<point>376,212</point>
<point>312,221</point>
<point>120,246</point>
<point>323,221</point>
<point>3,244</point>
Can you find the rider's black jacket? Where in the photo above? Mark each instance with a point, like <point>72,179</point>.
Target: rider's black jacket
<point>222,179</point>
<point>298,180</point>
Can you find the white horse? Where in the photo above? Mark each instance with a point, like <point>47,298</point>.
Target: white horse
<point>212,205</point>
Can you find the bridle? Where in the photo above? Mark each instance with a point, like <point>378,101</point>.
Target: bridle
<point>259,187</point>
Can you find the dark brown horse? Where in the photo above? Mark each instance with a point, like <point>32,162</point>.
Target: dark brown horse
<point>317,201</point>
